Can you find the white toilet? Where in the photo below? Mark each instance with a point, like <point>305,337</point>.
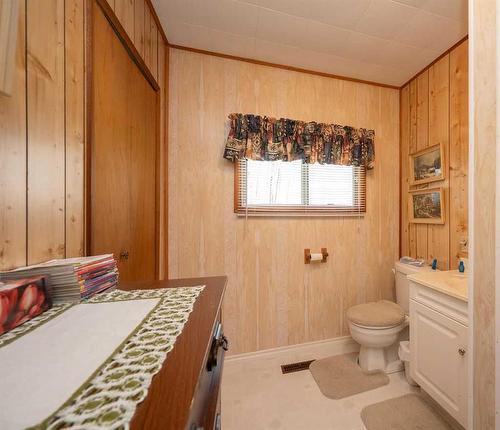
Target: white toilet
<point>378,326</point>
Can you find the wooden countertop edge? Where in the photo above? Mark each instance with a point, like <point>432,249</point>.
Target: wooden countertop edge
<point>169,400</point>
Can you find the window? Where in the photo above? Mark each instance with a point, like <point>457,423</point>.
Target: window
<point>279,187</point>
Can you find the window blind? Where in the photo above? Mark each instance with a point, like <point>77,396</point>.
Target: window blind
<point>279,187</point>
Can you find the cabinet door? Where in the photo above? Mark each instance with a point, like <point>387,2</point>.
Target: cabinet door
<point>439,358</point>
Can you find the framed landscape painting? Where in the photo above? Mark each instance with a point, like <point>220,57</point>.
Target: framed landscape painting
<point>427,165</point>
<point>427,206</point>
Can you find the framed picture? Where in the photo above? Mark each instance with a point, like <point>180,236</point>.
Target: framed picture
<point>427,165</point>
<point>427,206</point>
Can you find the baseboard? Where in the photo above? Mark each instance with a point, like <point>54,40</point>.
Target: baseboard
<point>320,348</point>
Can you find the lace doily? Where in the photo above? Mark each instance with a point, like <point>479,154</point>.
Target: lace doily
<point>110,396</point>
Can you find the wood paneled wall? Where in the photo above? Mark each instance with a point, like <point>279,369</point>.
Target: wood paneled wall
<point>434,109</point>
<point>485,215</point>
<point>273,298</point>
<point>42,129</point>
<point>42,137</point>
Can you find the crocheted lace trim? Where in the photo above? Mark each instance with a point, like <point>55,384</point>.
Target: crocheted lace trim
<point>108,399</point>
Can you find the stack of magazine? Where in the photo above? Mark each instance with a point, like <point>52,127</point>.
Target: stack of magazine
<point>71,279</point>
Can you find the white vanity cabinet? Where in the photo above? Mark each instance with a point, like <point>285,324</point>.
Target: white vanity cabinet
<point>438,347</point>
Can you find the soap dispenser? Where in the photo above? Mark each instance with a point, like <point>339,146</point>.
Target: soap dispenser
<point>461,267</point>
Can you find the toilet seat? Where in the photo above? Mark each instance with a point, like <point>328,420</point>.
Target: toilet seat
<point>376,315</point>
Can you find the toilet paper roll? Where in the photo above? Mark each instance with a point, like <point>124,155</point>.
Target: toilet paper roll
<point>317,256</point>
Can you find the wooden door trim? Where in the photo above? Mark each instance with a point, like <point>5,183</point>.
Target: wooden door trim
<point>89,108</point>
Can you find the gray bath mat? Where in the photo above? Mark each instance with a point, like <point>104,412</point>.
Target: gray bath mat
<point>340,376</point>
<point>409,412</point>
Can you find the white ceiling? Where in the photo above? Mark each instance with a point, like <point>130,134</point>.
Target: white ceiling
<point>386,41</point>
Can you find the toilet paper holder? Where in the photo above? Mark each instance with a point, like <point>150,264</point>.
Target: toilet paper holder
<point>308,257</point>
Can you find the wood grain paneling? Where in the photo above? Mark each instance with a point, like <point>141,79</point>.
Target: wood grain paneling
<point>438,236</point>
<point>422,142</point>
<point>13,161</point>
<point>125,11</point>
<point>437,108</point>
<point>147,36</point>
<point>45,122</point>
<point>75,127</point>
<point>163,161</point>
<point>459,152</point>
<point>273,299</point>
<point>485,216</point>
<point>139,31</point>
<point>153,54</point>
<point>404,152</point>
<point>42,136</point>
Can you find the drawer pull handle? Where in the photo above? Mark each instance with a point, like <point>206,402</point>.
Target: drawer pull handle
<point>224,343</point>
<point>461,351</point>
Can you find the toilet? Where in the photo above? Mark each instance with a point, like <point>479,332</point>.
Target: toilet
<point>378,327</point>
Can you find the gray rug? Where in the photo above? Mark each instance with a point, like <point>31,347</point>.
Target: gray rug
<point>340,376</point>
<point>409,412</point>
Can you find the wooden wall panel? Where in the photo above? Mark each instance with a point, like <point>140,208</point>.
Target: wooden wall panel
<point>42,138</point>
<point>139,30</point>
<point>125,11</point>
<point>75,128</point>
<point>153,55</point>
<point>422,142</point>
<point>438,114</point>
<point>273,299</point>
<point>404,150</point>
<point>412,228</point>
<point>459,152</point>
<point>485,214</point>
<point>147,37</point>
<point>439,128</point>
<point>13,161</point>
<point>163,83</point>
<point>45,110</point>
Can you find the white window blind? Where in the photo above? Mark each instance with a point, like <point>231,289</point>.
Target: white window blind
<point>277,186</point>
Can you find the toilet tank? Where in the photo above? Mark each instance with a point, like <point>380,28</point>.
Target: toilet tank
<point>402,283</point>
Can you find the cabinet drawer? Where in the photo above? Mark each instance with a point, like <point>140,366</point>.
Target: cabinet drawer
<point>205,405</point>
<point>438,346</point>
<point>451,307</point>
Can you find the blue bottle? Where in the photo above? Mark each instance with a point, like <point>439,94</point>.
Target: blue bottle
<point>461,267</point>
<point>434,264</point>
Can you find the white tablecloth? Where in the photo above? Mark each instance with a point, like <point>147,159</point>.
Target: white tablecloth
<point>42,369</point>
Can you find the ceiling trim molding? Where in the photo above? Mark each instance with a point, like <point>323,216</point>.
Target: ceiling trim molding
<point>445,53</point>
<point>282,66</point>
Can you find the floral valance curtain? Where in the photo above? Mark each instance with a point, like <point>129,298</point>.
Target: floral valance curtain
<point>264,138</point>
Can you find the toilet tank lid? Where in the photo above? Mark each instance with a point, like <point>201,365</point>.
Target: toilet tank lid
<point>408,269</point>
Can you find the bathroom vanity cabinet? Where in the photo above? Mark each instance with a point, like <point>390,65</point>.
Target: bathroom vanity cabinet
<point>438,340</point>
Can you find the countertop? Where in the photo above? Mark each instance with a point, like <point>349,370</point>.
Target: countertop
<point>171,393</point>
<point>450,282</point>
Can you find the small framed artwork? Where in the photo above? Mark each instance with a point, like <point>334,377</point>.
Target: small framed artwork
<point>427,206</point>
<point>427,165</point>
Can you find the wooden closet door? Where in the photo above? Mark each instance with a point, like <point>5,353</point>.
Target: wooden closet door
<point>123,150</point>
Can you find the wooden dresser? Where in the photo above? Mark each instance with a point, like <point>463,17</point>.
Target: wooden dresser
<point>185,394</point>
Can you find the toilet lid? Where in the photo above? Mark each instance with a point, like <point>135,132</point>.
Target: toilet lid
<point>376,314</point>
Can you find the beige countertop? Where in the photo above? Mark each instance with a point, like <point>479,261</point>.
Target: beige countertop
<point>450,282</point>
